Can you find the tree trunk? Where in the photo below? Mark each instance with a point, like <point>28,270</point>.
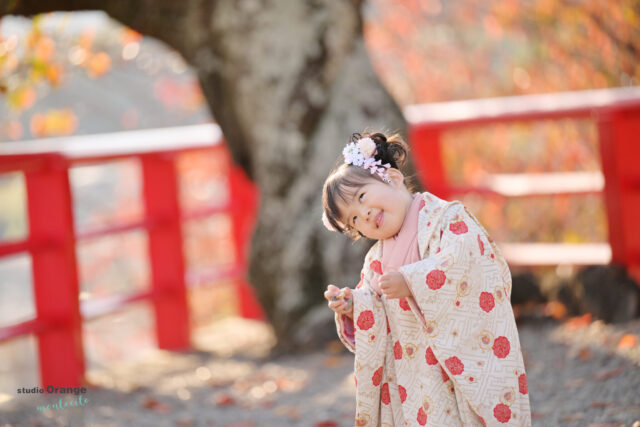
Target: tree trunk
<point>288,81</point>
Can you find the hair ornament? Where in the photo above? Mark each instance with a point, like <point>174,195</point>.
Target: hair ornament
<point>361,153</point>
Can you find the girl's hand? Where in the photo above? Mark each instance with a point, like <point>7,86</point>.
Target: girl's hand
<point>393,285</point>
<point>340,300</point>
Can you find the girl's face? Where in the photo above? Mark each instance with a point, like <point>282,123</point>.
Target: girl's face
<point>377,209</point>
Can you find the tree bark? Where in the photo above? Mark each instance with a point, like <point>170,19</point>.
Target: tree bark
<point>288,81</point>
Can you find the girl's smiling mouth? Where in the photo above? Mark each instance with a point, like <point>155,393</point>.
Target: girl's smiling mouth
<point>379,219</point>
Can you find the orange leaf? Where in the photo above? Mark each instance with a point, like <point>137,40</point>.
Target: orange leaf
<point>22,98</point>
<point>606,374</point>
<point>555,309</point>
<point>627,341</point>
<point>98,64</point>
<point>156,405</point>
<point>86,38</point>
<point>37,125</point>
<point>54,123</point>
<point>53,74</point>
<point>224,399</point>
<point>44,49</point>
<point>14,130</point>
<point>579,321</point>
<point>584,354</point>
<point>129,35</point>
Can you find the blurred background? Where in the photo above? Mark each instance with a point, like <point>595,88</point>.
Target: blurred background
<point>69,75</point>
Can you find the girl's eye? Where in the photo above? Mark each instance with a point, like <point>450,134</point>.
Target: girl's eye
<point>359,198</point>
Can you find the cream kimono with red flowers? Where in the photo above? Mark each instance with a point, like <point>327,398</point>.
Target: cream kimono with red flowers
<point>450,354</point>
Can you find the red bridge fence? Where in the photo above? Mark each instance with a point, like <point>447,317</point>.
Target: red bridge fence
<point>617,115</point>
<point>51,241</point>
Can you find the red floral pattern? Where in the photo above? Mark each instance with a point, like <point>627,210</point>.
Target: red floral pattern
<point>454,365</point>
<point>422,417</point>
<point>487,301</point>
<point>501,347</point>
<point>481,245</point>
<point>435,279</point>
<point>384,394</point>
<point>403,393</point>
<point>365,320</point>
<point>445,377</point>
<point>404,304</point>
<point>502,413</point>
<point>522,384</point>
<point>376,266</point>
<point>458,227</point>
<point>376,378</point>
<point>430,357</point>
<point>397,350</point>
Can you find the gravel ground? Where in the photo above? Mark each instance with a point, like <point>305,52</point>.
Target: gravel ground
<point>580,373</point>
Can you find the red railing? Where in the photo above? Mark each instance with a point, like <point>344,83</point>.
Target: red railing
<point>617,113</point>
<point>51,241</point>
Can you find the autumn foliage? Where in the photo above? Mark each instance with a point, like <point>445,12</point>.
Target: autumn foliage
<point>431,51</point>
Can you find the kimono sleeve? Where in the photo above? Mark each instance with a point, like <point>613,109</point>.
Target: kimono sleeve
<point>344,324</point>
<point>463,289</point>
<point>371,329</point>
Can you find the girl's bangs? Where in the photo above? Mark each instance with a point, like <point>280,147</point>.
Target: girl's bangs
<point>342,187</point>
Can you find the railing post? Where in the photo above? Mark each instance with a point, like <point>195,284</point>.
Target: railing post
<point>620,151</point>
<point>55,275</point>
<point>243,211</point>
<point>162,206</point>
<point>427,157</point>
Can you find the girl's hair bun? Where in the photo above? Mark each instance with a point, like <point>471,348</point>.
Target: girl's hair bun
<point>392,150</point>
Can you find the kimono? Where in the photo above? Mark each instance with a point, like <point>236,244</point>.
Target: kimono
<point>449,355</point>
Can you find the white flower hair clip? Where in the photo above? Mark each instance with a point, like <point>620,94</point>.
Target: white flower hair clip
<point>361,152</point>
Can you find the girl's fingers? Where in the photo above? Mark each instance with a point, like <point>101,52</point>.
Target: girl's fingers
<point>331,291</point>
<point>337,305</point>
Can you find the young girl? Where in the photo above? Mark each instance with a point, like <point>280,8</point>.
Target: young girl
<point>430,322</point>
